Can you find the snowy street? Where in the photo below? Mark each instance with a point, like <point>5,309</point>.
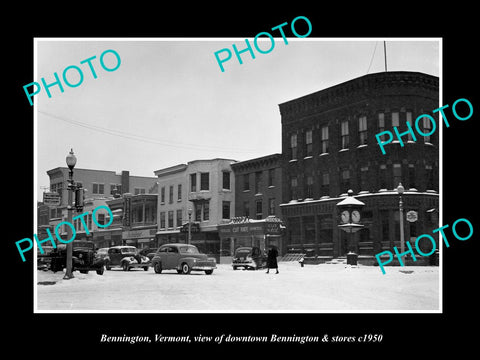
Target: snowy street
<point>313,288</point>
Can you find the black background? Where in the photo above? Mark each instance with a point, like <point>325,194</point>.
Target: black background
<point>407,334</point>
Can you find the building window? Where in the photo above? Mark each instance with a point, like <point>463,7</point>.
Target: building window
<point>170,194</point>
<point>193,182</point>
<point>395,119</point>
<point>308,143</point>
<point>170,219</point>
<point>198,212</point>
<point>226,210</point>
<point>429,177</point>
<point>344,134</point>
<point>325,190</point>
<point>246,208</point>
<point>411,176</point>
<point>204,181</point>
<point>179,217</point>
<point>364,178</point>
<point>294,188</point>
<point>98,188</point>
<point>324,139</point>
<point>271,177</point>
<point>382,176</point>
<point>258,182</point>
<point>179,192</point>
<point>362,130</point>
<point>162,195</point>
<point>258,207</point>
<point>246,182</point>
<point>381,122</point>
<point>139,191</point>
<point>397,175</point>
<point>226,180</point>
<point>410,122</point>
<point>345,180</point>
<point>293,146</point>
<point>206,211</point>
<point>309,187</point>
<point>271,206</point>
<point>427,129</point>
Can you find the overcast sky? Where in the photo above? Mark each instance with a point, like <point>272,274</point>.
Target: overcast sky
<point>169,102</point>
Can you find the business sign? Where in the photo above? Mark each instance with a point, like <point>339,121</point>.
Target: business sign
<point>412,216</point>
<point>51,199</point>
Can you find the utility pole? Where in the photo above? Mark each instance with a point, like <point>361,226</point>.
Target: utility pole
<point>385,54</point>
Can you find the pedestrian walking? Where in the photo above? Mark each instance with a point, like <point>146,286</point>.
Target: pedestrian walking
<point>272,259</point>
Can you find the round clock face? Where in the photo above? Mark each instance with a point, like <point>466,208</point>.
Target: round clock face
<point>355,216</point>
<point>345,216</point>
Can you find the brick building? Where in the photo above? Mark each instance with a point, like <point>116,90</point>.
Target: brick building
<point>329,147</point>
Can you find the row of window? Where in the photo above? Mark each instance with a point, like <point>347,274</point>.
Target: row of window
<point>258,180</point>
<point>259,208</point>
<point>363,133</point>
<point>384,180</point>
<point>201,212</point>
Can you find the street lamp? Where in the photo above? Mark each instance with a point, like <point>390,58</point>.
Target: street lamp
<point>400,190</point>
<point>189,225</point>
<point>189,211</point>
<point>71,162</point>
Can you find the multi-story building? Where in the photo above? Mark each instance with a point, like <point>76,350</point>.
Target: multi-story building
<point>258,195</point>
<point>329,147</point>
<point>201,193</point>
<point>100,186</point>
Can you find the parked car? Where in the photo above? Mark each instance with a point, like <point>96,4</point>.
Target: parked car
<point>249,258</point>
<point>182,257</point>
<point>84,258</point>
<point>126,257</point>
<point>102,253</point>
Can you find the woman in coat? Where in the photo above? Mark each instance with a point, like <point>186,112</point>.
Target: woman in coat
<point>272,259</point>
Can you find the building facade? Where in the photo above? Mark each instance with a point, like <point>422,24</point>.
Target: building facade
<point>329,147</point>
<point>258,195</point>
<point>201,193</point>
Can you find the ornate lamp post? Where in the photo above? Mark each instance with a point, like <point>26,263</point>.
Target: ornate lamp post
<point>400,190</point>
<point>189,225</point>
<point>71,162</point>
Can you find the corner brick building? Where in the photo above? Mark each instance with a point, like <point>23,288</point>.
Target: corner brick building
<point>329,147</point>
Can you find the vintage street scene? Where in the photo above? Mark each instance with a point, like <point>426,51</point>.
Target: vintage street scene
<point>172,186</point>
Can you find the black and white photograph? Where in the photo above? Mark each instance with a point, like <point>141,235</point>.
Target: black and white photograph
<point>291,180</point>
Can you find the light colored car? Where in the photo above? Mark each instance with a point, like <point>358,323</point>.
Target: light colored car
<point>182,257</point>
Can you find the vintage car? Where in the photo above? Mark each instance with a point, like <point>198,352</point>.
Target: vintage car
<point>125,257</point>
<point>182,257</point>
<point>249,258</point>
<point>84,258</point>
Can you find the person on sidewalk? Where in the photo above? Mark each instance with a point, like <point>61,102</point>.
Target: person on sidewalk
<point>272,259</point>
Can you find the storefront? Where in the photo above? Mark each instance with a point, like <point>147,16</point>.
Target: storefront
<point>242,231</point>
<point>140,238</point>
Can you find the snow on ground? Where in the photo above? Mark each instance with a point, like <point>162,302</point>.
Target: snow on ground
<point>313,288</point>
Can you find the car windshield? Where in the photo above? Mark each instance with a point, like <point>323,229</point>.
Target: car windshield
<point>188,249</point>
<point>242,252</point>
<point>129,250</point>
<point>102,251</point>
<point>82,244</point>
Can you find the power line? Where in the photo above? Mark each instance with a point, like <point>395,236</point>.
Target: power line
<point>141,138</point>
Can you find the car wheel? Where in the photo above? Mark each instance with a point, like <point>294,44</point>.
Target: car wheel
<point>100,271</point>
<point>107,266</point>
<point>235,268</point>
<point>145,268</point>
<point>208,272</point>
<point>83,271</point>
<point>157,267</point>
<point>179,271</point>
<point>186,269</point>
<point>125,266</point>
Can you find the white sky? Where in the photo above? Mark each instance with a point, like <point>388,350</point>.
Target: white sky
<point>172,98</point>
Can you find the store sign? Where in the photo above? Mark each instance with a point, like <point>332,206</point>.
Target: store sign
<point>51,199</point>
<point>127,202</point>
<point>194,227</point>
<point>412,216</point>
